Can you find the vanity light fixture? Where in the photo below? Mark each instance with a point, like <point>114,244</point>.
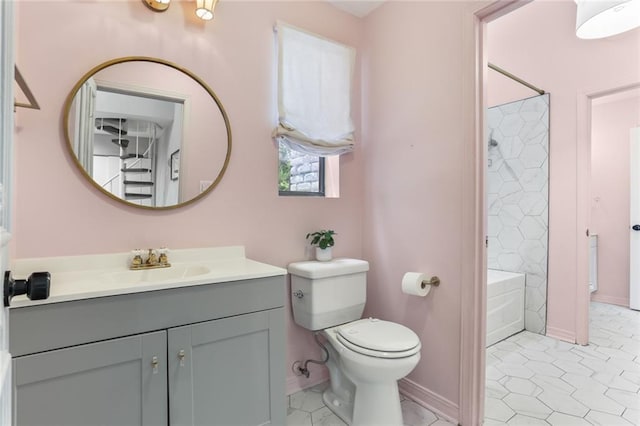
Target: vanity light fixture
<point>157,5</point>
<point>605,18</point>
<point>204,9</point>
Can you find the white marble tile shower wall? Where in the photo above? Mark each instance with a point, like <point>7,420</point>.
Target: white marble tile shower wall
<point>518,194</point>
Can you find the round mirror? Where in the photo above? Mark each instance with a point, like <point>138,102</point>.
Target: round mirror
<point>147,132</point>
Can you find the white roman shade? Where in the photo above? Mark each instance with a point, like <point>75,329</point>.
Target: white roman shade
<point>314,93</point>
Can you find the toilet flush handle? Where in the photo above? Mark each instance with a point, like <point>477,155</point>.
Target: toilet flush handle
<point>299,294</point>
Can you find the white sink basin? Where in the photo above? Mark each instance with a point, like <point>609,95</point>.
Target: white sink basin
<point>173,273</point>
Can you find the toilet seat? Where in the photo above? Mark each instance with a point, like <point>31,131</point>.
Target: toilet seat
<point>377,338</point>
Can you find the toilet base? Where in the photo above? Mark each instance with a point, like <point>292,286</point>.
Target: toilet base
<point>377,405</point>
<point>339,407</point>
<point>374,405</point>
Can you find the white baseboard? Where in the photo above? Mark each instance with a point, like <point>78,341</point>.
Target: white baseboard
<point>430,400</point>
<point>560,334</point>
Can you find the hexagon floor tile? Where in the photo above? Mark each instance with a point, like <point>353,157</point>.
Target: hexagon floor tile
<point>306,408</point>
<point>517,400</point>
<point>566,384</point>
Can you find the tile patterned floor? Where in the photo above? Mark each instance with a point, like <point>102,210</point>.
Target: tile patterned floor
<point>306,408</point>
<point>537,380</point>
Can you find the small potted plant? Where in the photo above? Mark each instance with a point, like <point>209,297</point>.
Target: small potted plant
<point>323,240</point>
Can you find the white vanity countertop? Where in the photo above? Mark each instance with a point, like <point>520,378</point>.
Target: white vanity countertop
<point>85,277</point>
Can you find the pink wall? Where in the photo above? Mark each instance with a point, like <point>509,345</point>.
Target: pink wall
<point>537,42</point>
<point>414,146</point>
<point>58,213</point>
<point>412,159</point>
<point>610,124</point>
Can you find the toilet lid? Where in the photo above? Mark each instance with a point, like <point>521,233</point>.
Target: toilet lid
<point>376,335</point>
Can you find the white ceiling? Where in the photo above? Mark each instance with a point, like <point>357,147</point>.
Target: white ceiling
<point>359,8</point>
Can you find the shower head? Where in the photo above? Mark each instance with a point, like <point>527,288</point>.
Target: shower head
<point>492,141</point>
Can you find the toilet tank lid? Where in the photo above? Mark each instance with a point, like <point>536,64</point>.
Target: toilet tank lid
<point>315,269</point>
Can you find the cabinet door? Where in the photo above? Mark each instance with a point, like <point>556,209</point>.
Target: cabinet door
<point>114,382</point>
<point>228,371</point>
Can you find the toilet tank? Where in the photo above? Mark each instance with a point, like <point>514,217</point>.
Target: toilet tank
<point>326,294</point>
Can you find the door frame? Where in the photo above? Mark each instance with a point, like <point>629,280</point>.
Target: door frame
<point>473,300</point>
<point>473,321</point>
<point>6,178</point>
<point>634,271</point>
<point>585,100</point>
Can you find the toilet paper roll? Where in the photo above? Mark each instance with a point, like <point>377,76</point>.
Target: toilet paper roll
<point>412,284</point>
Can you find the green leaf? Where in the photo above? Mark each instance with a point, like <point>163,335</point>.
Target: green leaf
<point>322,238</point>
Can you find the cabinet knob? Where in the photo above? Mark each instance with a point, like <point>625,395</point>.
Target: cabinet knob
<point>154,364</point>
<point>181,355</point>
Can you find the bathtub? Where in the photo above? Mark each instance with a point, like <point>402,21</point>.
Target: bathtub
<point>505,304</point>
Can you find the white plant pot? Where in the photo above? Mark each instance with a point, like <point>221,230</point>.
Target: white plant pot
<point>323,255</point>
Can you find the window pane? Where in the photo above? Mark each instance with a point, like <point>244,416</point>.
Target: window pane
<point>300,173</point>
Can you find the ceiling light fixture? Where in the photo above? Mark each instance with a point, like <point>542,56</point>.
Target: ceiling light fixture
<point>605,18</point>
<point>204,9</point>
<point>157,5</point>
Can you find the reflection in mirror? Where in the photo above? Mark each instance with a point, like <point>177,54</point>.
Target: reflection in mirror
<point>125,143</point>
<point>148,133</point>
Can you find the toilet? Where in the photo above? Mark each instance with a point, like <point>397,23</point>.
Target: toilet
<point>366,356</point>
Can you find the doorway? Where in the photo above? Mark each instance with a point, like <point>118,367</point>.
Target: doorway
<point>634,196</point>
<point>570,302</point>
<point>614,187</point>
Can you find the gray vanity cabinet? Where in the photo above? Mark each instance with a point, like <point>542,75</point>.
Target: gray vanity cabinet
<point>203,355</point>
<point>223,372</point>
<point>105,383</point>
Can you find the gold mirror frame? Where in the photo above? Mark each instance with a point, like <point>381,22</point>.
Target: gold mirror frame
<point>94,70</point>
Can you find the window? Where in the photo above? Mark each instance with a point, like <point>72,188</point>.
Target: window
<point>300,173</point>
<point>314,109</point>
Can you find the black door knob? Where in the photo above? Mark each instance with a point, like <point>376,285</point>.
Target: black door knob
<point>36,287</point>
<point>636,227</point>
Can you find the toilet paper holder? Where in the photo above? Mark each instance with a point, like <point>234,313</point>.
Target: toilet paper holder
<point>435,281</point>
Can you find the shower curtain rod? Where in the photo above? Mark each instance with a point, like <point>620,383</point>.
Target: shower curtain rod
<point>513,77</point>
